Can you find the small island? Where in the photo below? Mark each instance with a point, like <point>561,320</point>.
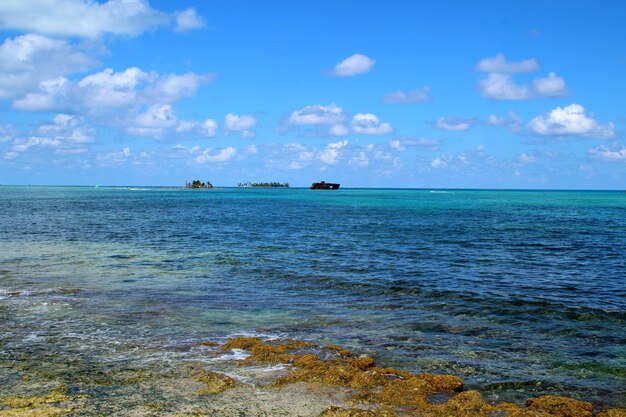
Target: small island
<point>198,184</point>
<point>263,185</point>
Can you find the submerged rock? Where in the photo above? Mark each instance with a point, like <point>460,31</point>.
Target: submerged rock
<point>391,390</point>
<point>216,382</point>
<point>355,412</point>
<point>560,406</point>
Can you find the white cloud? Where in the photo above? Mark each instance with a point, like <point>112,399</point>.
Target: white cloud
<point>353,65</point>
<point>113,157</point>
<point>237,123</point>
<point>500,84</point>
<point>339,130</point>
<point>438,162</point>
<point>416,96</point>
<point>68,129</point>
<point>551,86</point>
<point>369,124</point>
<point>111,89</point>
<point>23,145</point>
<point>570,120</point>
<point>53,95</point>
<point>169,88</point>
<point>185,126</point>
<point>511,120</point>
<point>28,60</point>
<point>209,128</point>
<point>153,121</point>
<point>403,142</point>
<point>499,65</point>
<point>331,154</point>
<point>453,123</point>
<point>317,114</point>
<point>603,152</point>
<point>495,120</point>
<point>502,87</point>
<point>66,134</point>
<point>188,20</point>
<point>83,18</point>
<point>106,90</point>
<point>360,160</point>
<point>208,155</point>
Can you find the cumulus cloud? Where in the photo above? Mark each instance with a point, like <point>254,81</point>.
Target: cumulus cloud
<point>570,120</point>
<point>499,84</point>
<point>67,128</point>
<point>317,114</point>
<point>208,155</point>
<point>416,96</point>
<point>243,124</point>
<point>28,60</point>
<point>511,120</point>
<point>353,65</point>
<point>369,124</point>
<point>89,18</point>
<point>453,123</point>
<point>502,87</point>
<point>330,155</point>
<point>188,20</point>
<point>153,121</point>
<point>500,65</point>
<point>551,86</point>
<point>603,152</point>
<point>107,89</point>
<point>66,134</point>
<point>207,128</point>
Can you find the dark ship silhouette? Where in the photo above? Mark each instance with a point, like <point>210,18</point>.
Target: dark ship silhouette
<point>324,186</point>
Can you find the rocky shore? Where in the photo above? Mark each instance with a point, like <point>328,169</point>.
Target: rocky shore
<point>286,377</point>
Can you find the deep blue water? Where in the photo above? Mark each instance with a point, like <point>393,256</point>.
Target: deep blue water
<point>518,292</point>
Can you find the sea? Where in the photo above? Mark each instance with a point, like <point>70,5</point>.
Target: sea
<point>520,293</point>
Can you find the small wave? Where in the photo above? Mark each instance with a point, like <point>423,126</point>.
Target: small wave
<point>236,355</point>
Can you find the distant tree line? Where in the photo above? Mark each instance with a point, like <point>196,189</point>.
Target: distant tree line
<point>264,184</point>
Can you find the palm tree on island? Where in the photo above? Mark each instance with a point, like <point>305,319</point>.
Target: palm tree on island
<point>198,184</point>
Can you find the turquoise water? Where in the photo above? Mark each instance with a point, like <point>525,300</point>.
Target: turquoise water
<point>518,292</point>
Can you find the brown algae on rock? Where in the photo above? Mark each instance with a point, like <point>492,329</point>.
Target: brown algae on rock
<point>561,406</point>
<point>355,412</point>
<point>216,382</point>
<point>392,391</point>
<point>48,405</point>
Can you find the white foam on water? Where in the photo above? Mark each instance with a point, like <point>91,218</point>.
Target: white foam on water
<point>236,355</point>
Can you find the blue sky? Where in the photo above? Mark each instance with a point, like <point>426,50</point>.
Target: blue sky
<point>484,94</point>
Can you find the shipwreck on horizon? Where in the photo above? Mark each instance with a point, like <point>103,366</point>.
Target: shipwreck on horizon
<point>324,186</point>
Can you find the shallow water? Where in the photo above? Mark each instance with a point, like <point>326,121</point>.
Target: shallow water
<point>520,293</point>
